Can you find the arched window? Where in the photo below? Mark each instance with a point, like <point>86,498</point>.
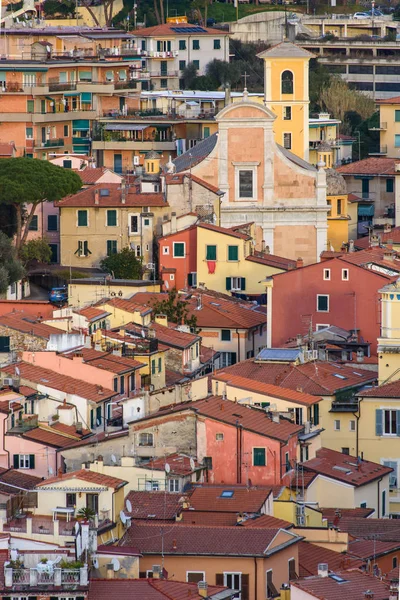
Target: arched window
<point>287,82</point>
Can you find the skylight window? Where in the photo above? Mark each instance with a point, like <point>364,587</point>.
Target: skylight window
<point>358,374</point>
<point>339,376</point>
<point>227,494</point>
<point>338,579</point>
<point>342,469</point>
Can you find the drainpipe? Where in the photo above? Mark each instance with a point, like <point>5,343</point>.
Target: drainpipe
<point>379,498</point>
<point>255,577</point>
<point>238,348</point>
<point>358,417</point>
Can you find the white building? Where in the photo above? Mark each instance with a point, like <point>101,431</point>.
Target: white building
<point>170,47</point>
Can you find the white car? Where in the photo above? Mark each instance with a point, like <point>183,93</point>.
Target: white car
<point>361,15</point>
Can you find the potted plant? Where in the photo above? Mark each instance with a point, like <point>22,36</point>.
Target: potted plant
<point>86,514</point>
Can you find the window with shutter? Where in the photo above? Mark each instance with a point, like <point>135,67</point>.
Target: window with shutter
<point>111,218</point>
<point>316,414</point>
<point>378,422</point>
<point>31,461</point>
<point>233,253</point>
<point>111,247</point>
<point>16,461</point>
<point>179,249</point>
<point>219,579</point>
<point>82,218</point>
<point>271,589</point>
<point>392,464</point>
<point>195,576</point>
<point>259,457</point>
<point>292,569</point>
<point>52,223</point>
<point>245,587</point>
<point>243,283</point>
<point>4,343</point>
<point>211,252</point>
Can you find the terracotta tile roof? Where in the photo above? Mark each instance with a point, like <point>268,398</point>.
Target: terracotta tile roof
<point>146,589</point>
<point>107,361</point>
<point>27,391</point>
<point>89,175</point>
<point>310,556</point>
<point>330,254</point>
<point>57,436</point>
<point>57,381</point>
<point>86,475</point>
<point>383,529</point>
<point>207,354</point>
<point>330,513</point>
<point>291,480</point>
<point>130,305</point>
<point>345,468</point>
<point>393,575</point>
<point>217,311</point>
<point>24,323</point>
<point>86,197</point>
<point>372,256</point>
<point>178,179</point>
<point>126,551</point>
<point>267,522</point>
<point>92,314</point>
<point>154,505</point>
<point>12,479</point>
<point>97,438</point>
<point>353,587</point>
<point>173,337</point>
<point>224,230</point>
<point>388,390</point>
<point>172,377</point>
<point>393,100</point>
<point>371,549</point>
<point>201,540</point>
<point>219,519</point>
<point>179,464</point>
<point>173,30</point>
<point>271,260</point>
<point>209,498</point>
<point>318,378</point>
<point>266,388</point>
<point>370,166</point>
<point>7,149</point>
<point>226,411</point>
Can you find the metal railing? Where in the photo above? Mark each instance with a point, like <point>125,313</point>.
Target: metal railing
<point>380,150</point>
<point>70,576</point>
<point>380,127</point>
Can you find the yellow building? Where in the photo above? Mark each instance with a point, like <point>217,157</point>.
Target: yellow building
<point>338,218</point>
<point>389,342</point>
<point>389,126</point>
<point>82,292</point>
<point>286,94</point>
<point>238,267</point>
<point>323,144</point>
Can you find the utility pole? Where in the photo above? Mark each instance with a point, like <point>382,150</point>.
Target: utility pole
<point>245,76</point>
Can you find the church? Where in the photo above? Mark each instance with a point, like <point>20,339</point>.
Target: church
<point>258,160</point>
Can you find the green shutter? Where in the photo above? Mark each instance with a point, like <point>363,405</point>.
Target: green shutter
<point>153,367</point>
<point>397,115</point>
<point>98,416</point>
<point>31,461</point>
<point>30,106</point>
<point>398,422</point>
<point>179,249</point>
<point>233,252</point>
<point>4,343</point>
<point>86,97</point>
<point>108,247</point>
<point>92,419</point>
<point>316,414</point>
<point>112,218</point>
<point>16,461</point>
<point>259,457</point>
<point>378,421</point>
<point>82,218</point>
<point>160,366</point>
<point>228,283</point>
<point>243,283</point>
<point>211,252</point>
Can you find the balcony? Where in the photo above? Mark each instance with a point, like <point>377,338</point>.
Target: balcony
<point>45,574</point>
<point>127,144</point>
<point>163,74</point>
<point>25,423</point>
<point>381,151</point>
<point>380,127</point>
<point>58,143</point>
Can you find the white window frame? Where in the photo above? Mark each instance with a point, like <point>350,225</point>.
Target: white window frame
<point>174,481</point>
<point>323,296</point>
<point>246,166</point>
<point>143,433</point>
<point>336,422</point>
<point>266,455</point>
<point>218,437</point>
<point>343,274</point>
<point>320,326</point>
<point>196,572</point>
<point>184,250</point>
<point>234,284</point>
<point>391,409</point>
<point>327,274</point>
<point>131,231</point>
<point>165,250</point>
<point>284,113</point>
<point>172,277</point>
<point>350,425</point>
<point>226,573</point>
<point>23,461</point>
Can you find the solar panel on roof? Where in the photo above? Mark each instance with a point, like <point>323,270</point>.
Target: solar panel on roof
<point>189,29</point>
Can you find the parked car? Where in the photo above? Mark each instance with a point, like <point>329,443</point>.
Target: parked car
<point>361,15</point>
<point>58,295</point>
<point>377,13</point>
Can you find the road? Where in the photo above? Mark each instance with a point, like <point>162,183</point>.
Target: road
<point>38,293</point>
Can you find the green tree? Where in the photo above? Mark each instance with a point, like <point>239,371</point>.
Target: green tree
<point>8,220</point>
<point>11,269</point>
<point>175,309</point>
<point>31,181</point>
<point>319,78</point>
<point>223,73</point>
<point>189,76</point>
<point>123,265</point>
<point>35,250</point>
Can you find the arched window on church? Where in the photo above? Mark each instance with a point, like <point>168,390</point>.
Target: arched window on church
<point>287,82</point>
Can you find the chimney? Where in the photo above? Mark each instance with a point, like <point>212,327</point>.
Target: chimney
<point>388,254</point>
<point>173,223</point>
<point>299,339</point>
<point>369,595</point>
<point>387,228</point>
<point>96,196</point>
<point>202,588</point>
<point>79,428</point>
<point>299,263</point>
<point>389,244</point>
<point>275,417</point>
<point>110,571</point>
<point>123,191</point>
<point>157,571</point>
<point>161,320</point>
<point>351,246</point>
<point>322,569</point>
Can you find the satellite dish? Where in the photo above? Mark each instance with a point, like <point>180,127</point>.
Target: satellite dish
<point>192,464</point>
<point>51,471</point>
<point>115,563</point>
<point>167,468</point>
<point>114,460</point>
<point>77,527</point>
<point>129,506</point>
<point>95,563</point>
<point>122,516</point>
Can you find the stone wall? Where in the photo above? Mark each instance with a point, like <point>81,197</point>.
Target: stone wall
<point>23,341</point>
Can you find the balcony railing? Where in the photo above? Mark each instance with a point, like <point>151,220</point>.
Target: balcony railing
<point>163,74</point>
<point>25,423</point>
<point>42,576</point>
<point>52,143</point>
<point>378,151</point>
<point>380,127</point>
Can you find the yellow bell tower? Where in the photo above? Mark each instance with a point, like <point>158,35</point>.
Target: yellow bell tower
<point>286,94</point>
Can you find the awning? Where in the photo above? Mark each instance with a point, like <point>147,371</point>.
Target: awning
<point>366,210</point>
<point>86,97</point>
<point>125,127</point>
<point>81,124</point>
<point>68,94</point>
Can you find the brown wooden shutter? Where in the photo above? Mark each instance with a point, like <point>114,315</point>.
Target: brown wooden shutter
<point>219,579</point>
<point>142,575</point>
<point>245,587</point>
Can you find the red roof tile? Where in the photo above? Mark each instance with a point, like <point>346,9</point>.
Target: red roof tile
<point>310,556</point>
<point>179,464</point>
<point>388,390</point>
<point>92,314</point>
<point>371,549</point>
<point>12,480</point>
<point>318,378</point>
<point>382,529</point>
<point>154,505</point>
<point>209,498</point>
<point>130,306</point>
<point>393,100</point>
<point>370,166</point>
<point>146,589</point>
<point>330,514</point>
<point>224,230</point>
<point>173,30</point>
<point>57,436</point>
<point>267,522</point>
<point>86,475</point>
<point>91,175</point>
<point>353,587</point>
<point>86,197</point>
<point>266,388</point>
<point>7,149</point>
<point>345,468</point>
<point>271,260</point>
<point>107,361</point>
<point>201,540</point>
<point>21,323</point>
<point>57,381</point>
<point>178,179</point>
<point>219,519</point>
<point>226,411</point>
